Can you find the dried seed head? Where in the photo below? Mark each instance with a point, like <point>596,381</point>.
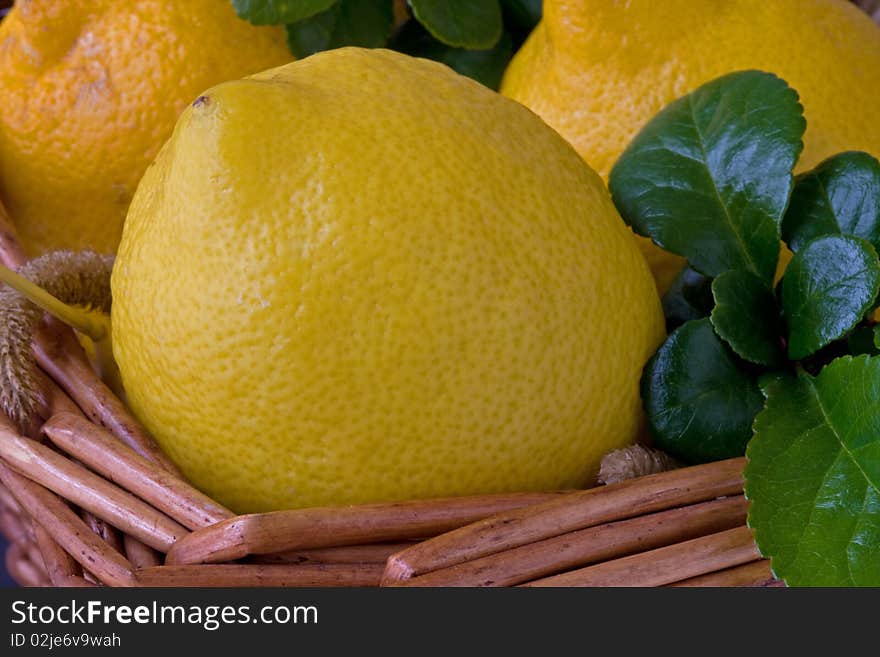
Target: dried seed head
<point>634,461</point>
<point>76,278</point>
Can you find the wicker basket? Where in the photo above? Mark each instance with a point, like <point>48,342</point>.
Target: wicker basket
<point>89,499</point>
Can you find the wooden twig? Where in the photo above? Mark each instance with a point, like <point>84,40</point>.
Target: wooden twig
<point>580,510</point>
<point>68,530</point>
<point>88,491</point>
<point>375,553</point>
<point>233,575</point>
<point>60,566</point>
<point>140,555</point>
<point>756,573</point>
<point>109,534</point>
<point>595,544</point>
<point>100,450</point>
<point>61,356</point>
<point>22,569</point>
<point>665,565</point>
<point>282,531</point>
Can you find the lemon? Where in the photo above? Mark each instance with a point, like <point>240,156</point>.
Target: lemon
<point>362,277</point>
<point>89,92</point>
<point>597,71</point>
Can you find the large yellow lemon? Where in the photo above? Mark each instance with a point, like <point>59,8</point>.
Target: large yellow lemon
<point>363,277</point>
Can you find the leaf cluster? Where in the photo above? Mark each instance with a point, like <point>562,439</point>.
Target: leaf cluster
<point>475,38</point>
<point>711,178</point>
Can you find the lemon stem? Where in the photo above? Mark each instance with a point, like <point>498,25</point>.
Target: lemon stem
<point>78,318</point>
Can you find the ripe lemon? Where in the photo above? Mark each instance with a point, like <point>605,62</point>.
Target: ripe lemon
<point>597,71</point>
<point>363,277</point>
<point>91,89</point>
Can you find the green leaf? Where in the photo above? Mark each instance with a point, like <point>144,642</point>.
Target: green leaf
<point>813,476</point>
<point>485,66</point>
<point>278,12</point>
<point>747,318</point>
<point>709,177</point>
<point>828,287</point>
<point>689,297</point>
<point>699,398</point>
<point>841,196</point>
<point>364,23</point>
<point>461,23</point>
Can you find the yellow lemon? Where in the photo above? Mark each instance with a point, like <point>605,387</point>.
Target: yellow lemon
<point>597,71</point>
<point>89,92</point>
<point>363,277</point>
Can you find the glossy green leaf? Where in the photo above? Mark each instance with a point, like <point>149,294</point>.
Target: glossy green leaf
<point>709,177</point>
<point>699,398</point>
<point>364,23</point>
<point>475,25</point>
<point>485,66</point>
<point>813,476</point>
<point>689,297</point>
<point>839,197</point>
<point>279,12</point>
<point>747,318</point>
<point>828,287</point>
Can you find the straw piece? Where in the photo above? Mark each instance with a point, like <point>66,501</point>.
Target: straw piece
<point>140,555</point>
<point>665,565</point>
<point>376,553</point>
<point>102,452</point>
<point>68,530</point>
<point>89,491</point>
<point>60,566</point>
<point>579,510</point>
<point>234,575</point>
<point>600,543</point>
<point>62,357</point>
<point>282,531</point>
<point>756,573</point>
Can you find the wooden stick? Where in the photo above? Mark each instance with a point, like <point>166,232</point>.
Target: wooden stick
<point>7,501</point>
<point>60,566</point>
<point>599,543</point>
<point>12,527</point>
<point>665,565</point>
<point>102,452</point>
<point>580,510</point>
<point>61,356</point>
<point>107,532</point>
<point>68,530</point>
<point>22,570</point>
<point>234,575</point>
<point>89,491</point>
<point>375,553</point>
<point>281,531</point>
<point>140,555</point>
<point>756,573</point>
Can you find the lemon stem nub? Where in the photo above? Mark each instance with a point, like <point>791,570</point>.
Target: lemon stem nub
<point>78,318</point>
